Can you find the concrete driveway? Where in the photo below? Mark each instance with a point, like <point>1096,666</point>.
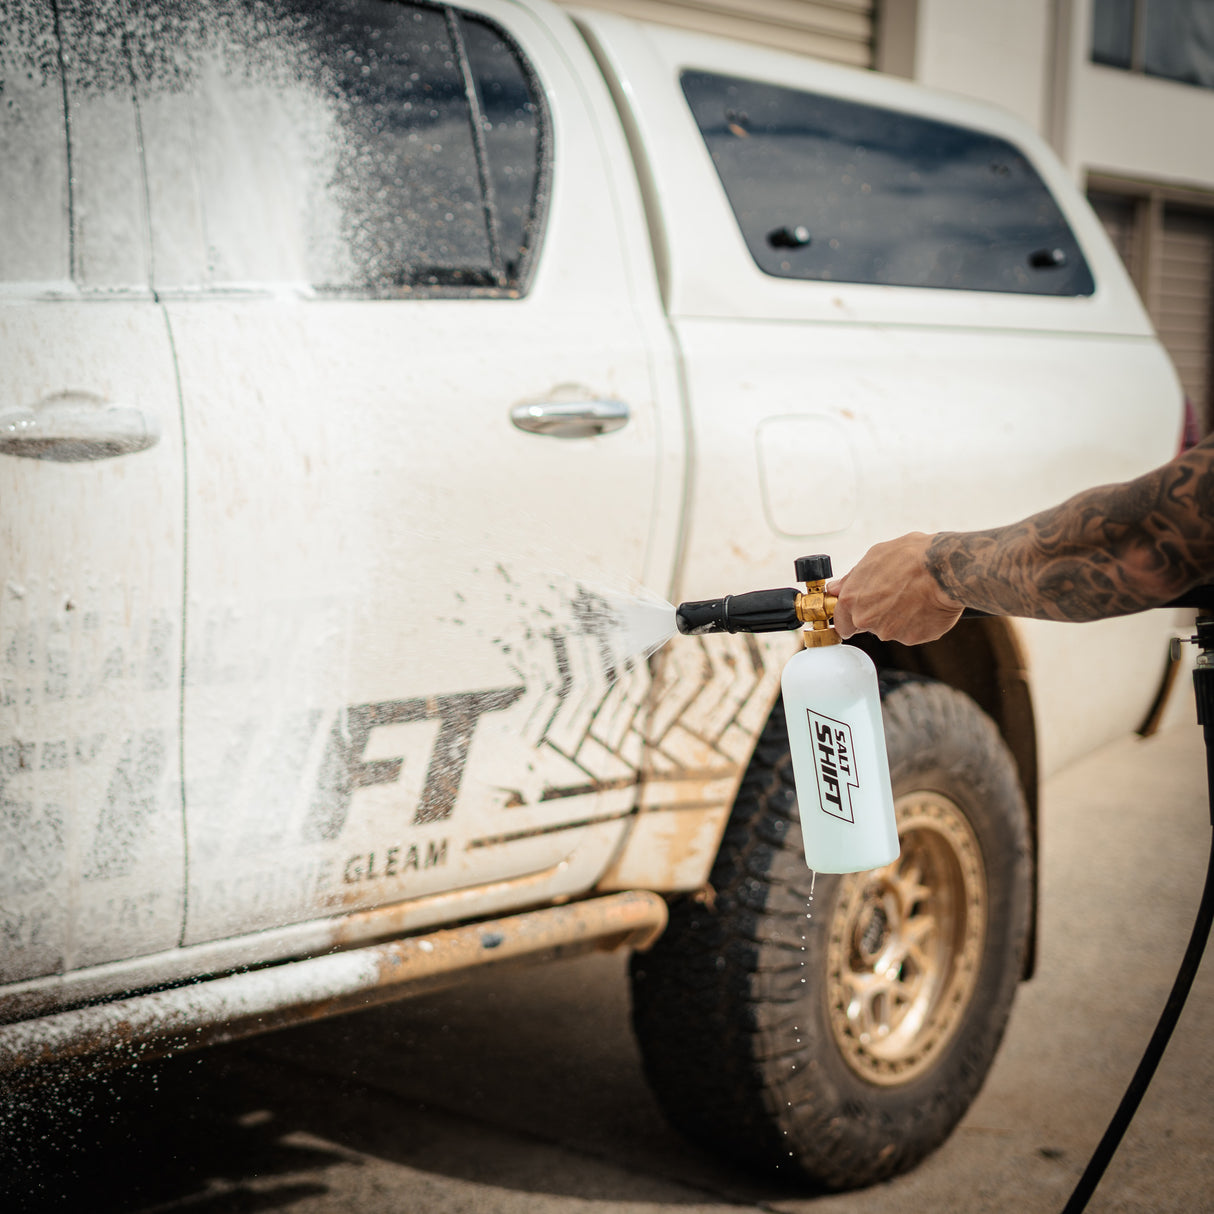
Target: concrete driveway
<point>522,1093</point>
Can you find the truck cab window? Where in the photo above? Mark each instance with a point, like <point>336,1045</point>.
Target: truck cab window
<point>839,191</point>
<point>329,145</point>
<point>35,219</point>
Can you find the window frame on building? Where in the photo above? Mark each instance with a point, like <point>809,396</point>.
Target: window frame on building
<point>1136,52</point>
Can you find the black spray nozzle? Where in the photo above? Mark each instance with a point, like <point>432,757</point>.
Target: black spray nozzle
<point>756,611</point>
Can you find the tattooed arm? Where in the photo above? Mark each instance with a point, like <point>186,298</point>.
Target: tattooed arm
<point>1104,552</point>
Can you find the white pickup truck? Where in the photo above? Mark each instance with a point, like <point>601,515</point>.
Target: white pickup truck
<point>357,361</point>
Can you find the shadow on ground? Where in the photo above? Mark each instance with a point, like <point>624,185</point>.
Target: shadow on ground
<point>524,1081</point>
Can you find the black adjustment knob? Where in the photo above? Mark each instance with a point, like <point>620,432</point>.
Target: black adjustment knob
<point>814,568</point>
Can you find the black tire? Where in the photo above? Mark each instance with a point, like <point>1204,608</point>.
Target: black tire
<point>742,1007</point>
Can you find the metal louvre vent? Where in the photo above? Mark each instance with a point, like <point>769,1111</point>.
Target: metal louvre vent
<point>1183,314</point>
<point>1165,236</point>
<point>838,30</point>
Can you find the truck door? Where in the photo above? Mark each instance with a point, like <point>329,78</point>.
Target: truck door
<point>91,525</point>
<point>422,428</point>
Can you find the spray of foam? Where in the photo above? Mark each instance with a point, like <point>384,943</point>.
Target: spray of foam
<point>631,626</point>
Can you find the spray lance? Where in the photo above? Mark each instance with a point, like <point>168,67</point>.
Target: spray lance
<point>833,709</point>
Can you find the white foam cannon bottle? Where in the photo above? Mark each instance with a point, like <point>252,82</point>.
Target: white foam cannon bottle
<point>833,710</point>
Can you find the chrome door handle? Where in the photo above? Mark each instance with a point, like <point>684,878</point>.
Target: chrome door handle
<point>71,427</point>
<point>571,419</point>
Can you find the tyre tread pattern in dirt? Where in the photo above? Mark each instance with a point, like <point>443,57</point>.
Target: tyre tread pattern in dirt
<point>729,1008</point>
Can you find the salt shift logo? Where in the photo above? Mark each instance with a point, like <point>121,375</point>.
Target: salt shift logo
<point>834,765</point>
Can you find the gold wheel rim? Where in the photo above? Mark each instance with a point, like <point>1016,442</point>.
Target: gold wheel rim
<point>906,943</point>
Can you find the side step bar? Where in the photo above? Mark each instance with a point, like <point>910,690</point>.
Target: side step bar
<point>240,1005</point>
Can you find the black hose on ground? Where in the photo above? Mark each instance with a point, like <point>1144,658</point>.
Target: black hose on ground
<point>1203,684</point>
<point>1154,1051</point>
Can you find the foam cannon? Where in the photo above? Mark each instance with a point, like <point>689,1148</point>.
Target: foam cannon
<point>833,710</point>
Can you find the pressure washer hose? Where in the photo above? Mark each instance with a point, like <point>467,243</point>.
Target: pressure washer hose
<point>1201,597</point>
<point>1155,1047</point>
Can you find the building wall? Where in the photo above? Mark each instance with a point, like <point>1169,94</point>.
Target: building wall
<point>988,49</point>
<point>1033,58</point>
<point>1133,125</point>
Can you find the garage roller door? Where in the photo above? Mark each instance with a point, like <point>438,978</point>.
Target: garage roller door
<point>1183,311</point>
<point>1168,247</point>
<point>840,30</point>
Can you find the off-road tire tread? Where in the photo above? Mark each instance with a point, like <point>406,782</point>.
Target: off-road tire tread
<point>719,1002</point>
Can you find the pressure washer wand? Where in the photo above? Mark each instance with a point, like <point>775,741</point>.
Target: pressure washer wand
<point>779,610</point>
<point>755,611</point>
<point>832,710</point>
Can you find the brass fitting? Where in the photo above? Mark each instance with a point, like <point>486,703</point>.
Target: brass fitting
<point>817,609</point>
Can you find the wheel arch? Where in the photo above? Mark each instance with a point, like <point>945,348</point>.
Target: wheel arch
<point>678,832</point>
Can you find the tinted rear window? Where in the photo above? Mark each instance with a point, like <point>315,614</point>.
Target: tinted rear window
<point>839,191</point>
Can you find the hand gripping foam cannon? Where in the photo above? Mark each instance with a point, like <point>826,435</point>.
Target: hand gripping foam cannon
<point>833,709</point>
